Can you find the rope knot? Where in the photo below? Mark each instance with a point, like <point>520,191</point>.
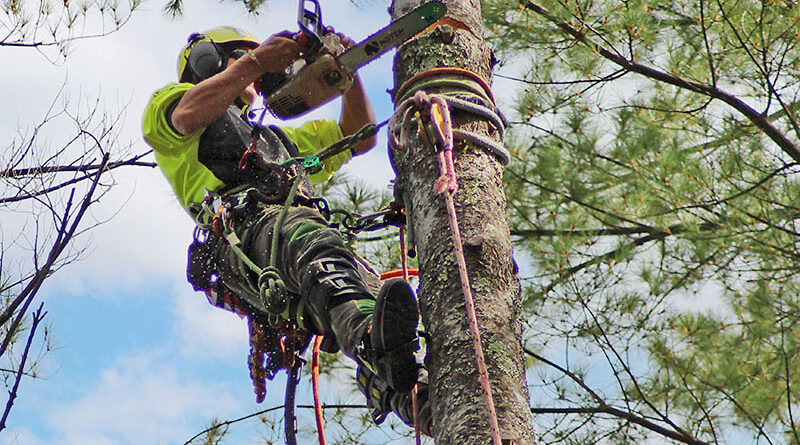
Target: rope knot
<point>421,100</point>
<point>272,290</point>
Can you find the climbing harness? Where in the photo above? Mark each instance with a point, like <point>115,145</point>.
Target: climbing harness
<point>432,113</point>
<point>278,339</point>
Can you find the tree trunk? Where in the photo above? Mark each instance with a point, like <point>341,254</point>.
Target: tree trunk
<point>460,414</point>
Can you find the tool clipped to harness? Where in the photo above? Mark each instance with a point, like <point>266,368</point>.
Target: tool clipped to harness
<point>272,349</point>
<point>312,164</point>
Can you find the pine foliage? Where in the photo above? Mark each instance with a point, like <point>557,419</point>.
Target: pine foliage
<point>654,194</point>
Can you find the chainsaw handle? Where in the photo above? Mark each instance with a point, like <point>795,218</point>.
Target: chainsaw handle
<point>310,23</point>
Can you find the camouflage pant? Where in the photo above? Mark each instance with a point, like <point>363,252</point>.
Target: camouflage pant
<point>333,287</point>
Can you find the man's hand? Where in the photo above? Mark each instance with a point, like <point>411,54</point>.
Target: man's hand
<point>277,52</point>
<point>356,107</point>
<point>209,98</point>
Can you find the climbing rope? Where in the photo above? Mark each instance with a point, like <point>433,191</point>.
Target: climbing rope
<point>435,127</point>
<point>345,143</point>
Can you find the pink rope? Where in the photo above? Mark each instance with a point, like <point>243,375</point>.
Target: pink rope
<point>447,185</point>
<point>473,320</point>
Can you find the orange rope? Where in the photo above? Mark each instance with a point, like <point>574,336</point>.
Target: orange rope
<point>397,273</point>
<point>315,385</point>
<point>401,92</point>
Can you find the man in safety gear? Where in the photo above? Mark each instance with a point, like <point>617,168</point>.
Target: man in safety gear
<point>200,132</point>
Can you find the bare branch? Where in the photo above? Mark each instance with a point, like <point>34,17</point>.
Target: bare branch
<point>265,411</point>
<point>134,161</point>
<point>65,233</point>
<point>12,395</point>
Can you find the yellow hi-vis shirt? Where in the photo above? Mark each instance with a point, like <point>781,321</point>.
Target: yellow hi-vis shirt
<point>176,154</point>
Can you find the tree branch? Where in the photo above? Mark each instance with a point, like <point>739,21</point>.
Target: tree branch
<point>12,395</point>
<point>265,411</point>
<point>65,234</point>
<point>134,161</point>
<point>604,408</point>
<point>109,166</point>
<point>759,119</point>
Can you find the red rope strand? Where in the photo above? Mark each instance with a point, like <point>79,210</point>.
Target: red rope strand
<point>315,386</point>
<point>397,273</point>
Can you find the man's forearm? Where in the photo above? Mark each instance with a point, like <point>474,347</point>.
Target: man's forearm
<point>205,102</point>
<point>208,100</point>
<point>357,112</point>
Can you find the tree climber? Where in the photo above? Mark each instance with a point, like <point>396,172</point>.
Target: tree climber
<point>200,132</point>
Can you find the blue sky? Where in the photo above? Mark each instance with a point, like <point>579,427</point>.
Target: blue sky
<point>139,357</point>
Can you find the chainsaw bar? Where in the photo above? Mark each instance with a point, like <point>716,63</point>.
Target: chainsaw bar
<point>395,34</point>
<point>327,76</point>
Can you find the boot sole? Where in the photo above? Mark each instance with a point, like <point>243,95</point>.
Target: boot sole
<point>394,335</point>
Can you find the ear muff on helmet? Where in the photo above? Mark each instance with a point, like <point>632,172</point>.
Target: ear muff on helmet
<point>206,54</point>
<point>205,59</point>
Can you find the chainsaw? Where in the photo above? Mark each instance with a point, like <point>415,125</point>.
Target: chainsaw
<point>327,69</point>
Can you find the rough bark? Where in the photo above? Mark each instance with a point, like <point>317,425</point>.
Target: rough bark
<point>460,413</point>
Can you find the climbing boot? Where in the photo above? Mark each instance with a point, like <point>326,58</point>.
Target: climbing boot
<point>393,336</point>
<point>382,399</point>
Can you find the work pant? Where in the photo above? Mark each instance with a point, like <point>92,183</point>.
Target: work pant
<point>335,288</point>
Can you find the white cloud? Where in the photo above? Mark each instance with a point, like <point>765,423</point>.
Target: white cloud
<point>143,398</point>
<point>21,436</point>
<point>152,397</point>
<point>207,332</point>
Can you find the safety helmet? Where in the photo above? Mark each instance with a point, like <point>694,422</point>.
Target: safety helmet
<point>204,53</point>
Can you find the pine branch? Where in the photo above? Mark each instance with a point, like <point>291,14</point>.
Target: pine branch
<point>265,411</point>
<point>758,119</point>
<point>604,408</point>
